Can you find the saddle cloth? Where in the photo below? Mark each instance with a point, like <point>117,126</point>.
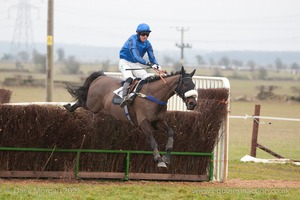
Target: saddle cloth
<point>134,87</point>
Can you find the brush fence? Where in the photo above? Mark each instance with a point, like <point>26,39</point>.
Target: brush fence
<point>218,166</point>
<point>220,160</point>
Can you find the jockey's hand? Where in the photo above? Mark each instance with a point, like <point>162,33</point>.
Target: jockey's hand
<point>157,67</point>
<point>150,64</point>
<point>154,66</point>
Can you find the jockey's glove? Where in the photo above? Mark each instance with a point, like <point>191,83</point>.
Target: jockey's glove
<point>154,66</point>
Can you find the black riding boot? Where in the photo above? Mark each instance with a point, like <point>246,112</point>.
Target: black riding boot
<point>126,99</point>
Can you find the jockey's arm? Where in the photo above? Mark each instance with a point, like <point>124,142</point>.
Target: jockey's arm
<point>135,54</point>
<point>151,55</point>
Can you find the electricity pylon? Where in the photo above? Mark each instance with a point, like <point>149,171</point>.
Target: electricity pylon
<point>22,40</point>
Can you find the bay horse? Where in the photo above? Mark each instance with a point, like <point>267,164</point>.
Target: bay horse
<point>148,114</point>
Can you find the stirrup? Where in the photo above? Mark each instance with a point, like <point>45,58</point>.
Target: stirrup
<point>126,101</point>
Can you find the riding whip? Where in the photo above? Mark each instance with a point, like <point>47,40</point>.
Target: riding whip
<point>139,68</point>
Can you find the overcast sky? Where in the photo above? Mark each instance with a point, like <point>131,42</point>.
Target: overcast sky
<point>272,25</point>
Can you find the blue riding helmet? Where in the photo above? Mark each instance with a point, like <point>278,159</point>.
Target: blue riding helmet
<point>143,28</point>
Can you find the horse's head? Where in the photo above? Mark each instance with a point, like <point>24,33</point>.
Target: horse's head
<point>186,89</point>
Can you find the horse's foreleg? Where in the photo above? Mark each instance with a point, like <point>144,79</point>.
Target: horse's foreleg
<point>146,127</point>
<point>169,147</point>
<point>163,126</point>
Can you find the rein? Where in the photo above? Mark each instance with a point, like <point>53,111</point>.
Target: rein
<point>160,73</point>
<point>180,92</point>
<point>151,98</point>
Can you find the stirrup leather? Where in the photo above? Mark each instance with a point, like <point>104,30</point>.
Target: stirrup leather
<point>126,101</point>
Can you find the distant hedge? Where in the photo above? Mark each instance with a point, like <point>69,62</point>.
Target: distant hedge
<point>5,95</point>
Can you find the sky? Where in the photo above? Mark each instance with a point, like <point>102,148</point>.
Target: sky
<point>211,25</point>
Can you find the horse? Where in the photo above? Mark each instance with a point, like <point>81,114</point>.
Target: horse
<point>147,111</point>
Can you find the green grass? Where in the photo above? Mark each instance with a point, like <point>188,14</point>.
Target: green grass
<point>37,94</point>
<point>260,171</point>
<point>248,74</point>
<point>249,89</point>
<point>280,136</point>
<point>15,190</point>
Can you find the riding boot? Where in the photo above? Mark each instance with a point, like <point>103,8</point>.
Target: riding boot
<point>126,99</point>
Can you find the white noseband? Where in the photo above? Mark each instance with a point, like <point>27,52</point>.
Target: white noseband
<point>191,93</point>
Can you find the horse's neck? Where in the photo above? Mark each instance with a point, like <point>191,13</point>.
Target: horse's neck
<point>165,90</point>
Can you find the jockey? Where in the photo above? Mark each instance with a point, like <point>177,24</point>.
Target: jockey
<point>131,58</point>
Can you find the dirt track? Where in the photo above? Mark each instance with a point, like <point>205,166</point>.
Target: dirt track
<point>237,183</point>
<point>231,183</point>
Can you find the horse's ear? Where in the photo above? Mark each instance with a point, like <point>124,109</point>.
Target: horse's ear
<point>182,70</point>
<point>193,72</point>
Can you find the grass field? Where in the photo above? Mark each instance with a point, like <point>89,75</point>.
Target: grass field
<point>280,136</point>
<point>92,190</point>
<point>245,180</point>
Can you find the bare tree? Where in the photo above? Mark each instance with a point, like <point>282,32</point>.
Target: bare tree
<point>72,66</point>
<point>212,61</point>
<point>39,60</point>
<point>200,60</point>
<point>105,65</point>
<point>251,64</point>
<point>295,67</point>
<point>224,61</point>
<point>266,92</point>
<point>61,54</point>
<point>278,64</point>
<point>168,60</point>
<point>237,63</point>
<point>262,74</point>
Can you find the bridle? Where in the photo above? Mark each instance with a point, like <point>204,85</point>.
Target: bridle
<point>179,89</point>
<point>180,92</point>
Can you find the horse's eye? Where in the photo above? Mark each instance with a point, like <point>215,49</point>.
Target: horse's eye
<point>185,84</point>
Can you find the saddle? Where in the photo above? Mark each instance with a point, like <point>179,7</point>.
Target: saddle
<point>134,88</point>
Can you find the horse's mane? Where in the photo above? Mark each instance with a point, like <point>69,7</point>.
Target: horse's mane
<point>156,77</point>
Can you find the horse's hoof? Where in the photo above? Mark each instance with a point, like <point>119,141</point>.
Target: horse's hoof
<point>161,164</point>
<point>67,106</point>
<point>166,159</point>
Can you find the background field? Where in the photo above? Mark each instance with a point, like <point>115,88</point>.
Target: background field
<point>282,137</point>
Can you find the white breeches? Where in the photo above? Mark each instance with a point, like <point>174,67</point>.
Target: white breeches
<point>141,73</point>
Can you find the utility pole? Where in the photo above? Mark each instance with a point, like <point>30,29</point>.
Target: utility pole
<point>182,45</point>
<point>49,81</point>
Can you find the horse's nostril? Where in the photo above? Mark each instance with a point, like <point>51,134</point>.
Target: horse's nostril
<point>191,105</point>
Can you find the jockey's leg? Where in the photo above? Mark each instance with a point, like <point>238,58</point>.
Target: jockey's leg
<point>126,99</point>
<point>142,74</point>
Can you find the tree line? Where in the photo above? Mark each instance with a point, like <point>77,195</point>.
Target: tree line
<point>72,65</point>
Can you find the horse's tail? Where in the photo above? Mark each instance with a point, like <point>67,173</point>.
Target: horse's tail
<point>80,93</point>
